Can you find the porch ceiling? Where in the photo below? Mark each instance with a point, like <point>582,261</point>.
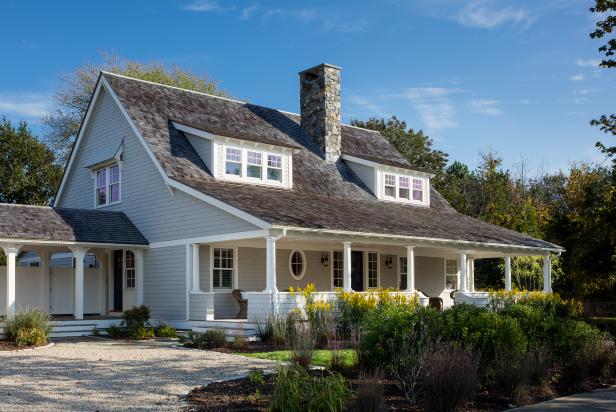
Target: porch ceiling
<point>42,225</point>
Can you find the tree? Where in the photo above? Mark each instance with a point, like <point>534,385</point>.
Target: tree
<point>416,147</point>
<point>605,27</point>
<point>75,92</point>
<point>28,173</point>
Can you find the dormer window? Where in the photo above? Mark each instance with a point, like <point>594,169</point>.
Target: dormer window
<point>107,185</point>
<point>404,188</point>
<point>418,189</point>
<point>255,165</point>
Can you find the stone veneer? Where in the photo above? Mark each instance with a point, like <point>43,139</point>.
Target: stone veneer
<point>320,108</point>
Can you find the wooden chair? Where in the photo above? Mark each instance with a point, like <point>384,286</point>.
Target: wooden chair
<point>243,303</point>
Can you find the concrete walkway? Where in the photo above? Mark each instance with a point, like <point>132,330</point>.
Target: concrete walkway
<point>594,401</point>
<point>106,375</point>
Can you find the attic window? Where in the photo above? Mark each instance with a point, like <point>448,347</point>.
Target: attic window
<point>254,165</point>
<point>404,188</point>
<point>107,185</point>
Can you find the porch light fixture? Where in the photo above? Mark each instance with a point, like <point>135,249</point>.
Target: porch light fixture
<point>389,262</point>
<point>325,259</point>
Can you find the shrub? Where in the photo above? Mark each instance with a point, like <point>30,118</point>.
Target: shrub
<point>296,390</point>
<point>369,396</point>
<point>114,332</point>
<point>141,333</point>
<point>445,391</point>
<point>240,342</point>
<point>513,377</point>
<point>210,339</point>
<point>275,330</point>
<point>29,327</point>
<point>136,322</point>
<point>318,313</point>
<point>302,346</point>
<point>164,331</point>
<point>256,376</point>
<point>571,337</point>
<point>549,303</point>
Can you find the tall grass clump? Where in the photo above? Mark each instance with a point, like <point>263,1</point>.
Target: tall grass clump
<point>28,327</point>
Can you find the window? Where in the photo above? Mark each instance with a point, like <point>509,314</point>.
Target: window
<point>338,269</point>
<point>451,274</point>
<point>233,161</point>
<point>129,269</point>
<point>274,167</point>
<point>390,185</point>
<point>297,264</point>
<point>222,268</point>
<point>253,165</point>
<point>403,272</point>
<point>404,187</point>
<point>418,190</point>
<point>107,185</point>
<point>373,270</point>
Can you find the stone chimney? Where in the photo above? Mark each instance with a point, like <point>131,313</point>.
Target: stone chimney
<point>320,108</point>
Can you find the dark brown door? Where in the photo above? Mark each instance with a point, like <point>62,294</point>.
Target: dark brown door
<point>118,278</point>
<point>357,271</point>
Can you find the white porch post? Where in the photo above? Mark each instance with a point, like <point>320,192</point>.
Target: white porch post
<point>508,272</point>
<point>410,268</point>
<point>463,275</point>
<point>11,252</point>
<point>196,286</point>
<point>346,279</point>
<point>139,275</point>
<point>79,253</point>
<point>44,256</point>
<point>547,274</point>
<point>270,265</point>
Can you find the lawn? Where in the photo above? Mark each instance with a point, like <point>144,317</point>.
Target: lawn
<point>321,357</point>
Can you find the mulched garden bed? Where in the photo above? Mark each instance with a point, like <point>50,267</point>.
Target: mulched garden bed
<point>6,345</point>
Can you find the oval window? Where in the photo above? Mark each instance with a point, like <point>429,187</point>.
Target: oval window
<point>297,264</point>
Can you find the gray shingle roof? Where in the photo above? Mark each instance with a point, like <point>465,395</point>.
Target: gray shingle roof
<point>324,195</point>
<point>67,225</point>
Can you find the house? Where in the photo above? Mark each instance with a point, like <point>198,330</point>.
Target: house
<point>182,197</point>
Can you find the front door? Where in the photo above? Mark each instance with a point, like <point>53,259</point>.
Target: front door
<point>357,271</point>
<point>118,279</point>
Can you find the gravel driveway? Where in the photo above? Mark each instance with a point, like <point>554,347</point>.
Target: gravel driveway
<point>105,375</point>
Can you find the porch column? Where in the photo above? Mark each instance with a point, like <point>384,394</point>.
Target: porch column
<point>79,253</point>
<point>44,256</point>
<point>11,252</point>
<point>508,272</point>
<point>463,275</point>
<point>346,279</point>
<point>196,286</point>
<point>547,274</point>
<point>270,265</point>
<point>139,275</point>
<point>410,268</point>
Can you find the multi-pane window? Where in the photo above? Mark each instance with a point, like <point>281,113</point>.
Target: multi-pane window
<point>222,268</point>
<point>297,264</point>
<point>404,187</point>
<point>107,185</point>
<point>373,280</point>
<point>129,269</point>
<point>338,269</point>
<point>274,167</point>
<point>403,272</point>
<point>400,187</point>
<point>390,185</point>
<point>254,164</point>
<point>233,161</point>
<point>418,190</point>
<point>451,274</point>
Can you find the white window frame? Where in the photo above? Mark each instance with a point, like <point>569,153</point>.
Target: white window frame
<point>412,179</point>
<point>304,264</point>
<point>333,254</point>
<point>456,274</point>
<point>234,269</point>
<point>367,269</point>
<point>243,177</point>
<point>401,272</point>
<point>133,269</point>
<point>107,171</point>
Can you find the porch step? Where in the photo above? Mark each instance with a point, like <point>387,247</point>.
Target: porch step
<point>230,327</point>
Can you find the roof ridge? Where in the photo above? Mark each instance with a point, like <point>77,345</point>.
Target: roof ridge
<point>21,205</point>
<point>219,97</point>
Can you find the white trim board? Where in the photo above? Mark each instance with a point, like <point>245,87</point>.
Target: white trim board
<point>212,239</point>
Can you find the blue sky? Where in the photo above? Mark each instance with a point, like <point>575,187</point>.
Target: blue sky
<point>516,77</point>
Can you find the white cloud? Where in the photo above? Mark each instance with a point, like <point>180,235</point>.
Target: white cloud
<point>485,106</point>
<point>588,63</point>
<point>577,77</point>
<point>29,105</point>
<point>486,15</point>
<point>365,105</point>
<point>247,12</point>
<point>433,105</point>
<point>206,6</point>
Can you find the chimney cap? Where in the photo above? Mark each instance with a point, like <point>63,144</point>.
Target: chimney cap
<point>318,66</point>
